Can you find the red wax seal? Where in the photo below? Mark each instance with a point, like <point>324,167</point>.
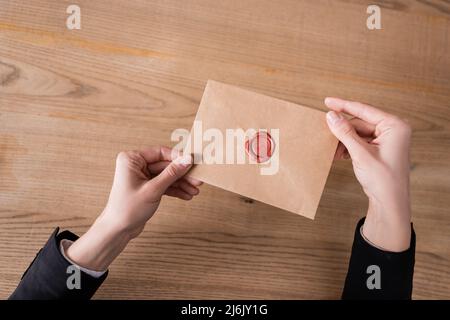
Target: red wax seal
<point>260,147</point>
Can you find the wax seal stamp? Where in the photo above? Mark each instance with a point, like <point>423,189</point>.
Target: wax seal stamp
<point>260,147</point>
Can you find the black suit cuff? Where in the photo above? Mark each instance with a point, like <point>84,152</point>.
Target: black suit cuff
<point>51,276</point>
<point>395,270</point>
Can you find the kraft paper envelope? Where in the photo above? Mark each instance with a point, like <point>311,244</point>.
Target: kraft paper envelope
<point>304,148</point>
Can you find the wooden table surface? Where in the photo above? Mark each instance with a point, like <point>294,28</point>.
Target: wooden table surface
<point>70,100</point>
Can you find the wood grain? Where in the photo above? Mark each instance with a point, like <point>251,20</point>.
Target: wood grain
<point>71,100</point>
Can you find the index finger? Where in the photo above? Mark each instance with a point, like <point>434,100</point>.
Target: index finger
<point>159,153</point>
<point>360,110</point>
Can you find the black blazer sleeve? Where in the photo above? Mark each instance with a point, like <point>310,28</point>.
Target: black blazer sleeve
<point>395,270</point>
<point>46,277</point>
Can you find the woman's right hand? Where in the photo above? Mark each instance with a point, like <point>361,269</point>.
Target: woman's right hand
<point>378,145</point>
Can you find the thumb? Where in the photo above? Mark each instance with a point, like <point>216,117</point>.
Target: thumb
<point>174,171</point>
<point>345,132</point>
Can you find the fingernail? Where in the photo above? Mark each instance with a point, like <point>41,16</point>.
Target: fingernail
<point>176,153</point>
<point>333,117</point>
<point>184,161</point>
